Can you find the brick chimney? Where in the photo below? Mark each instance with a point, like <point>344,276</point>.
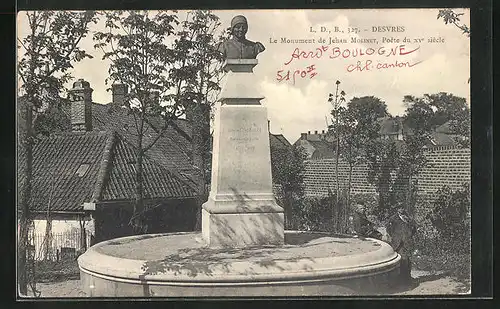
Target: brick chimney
<point>119,91</point>
<point>80,97</point>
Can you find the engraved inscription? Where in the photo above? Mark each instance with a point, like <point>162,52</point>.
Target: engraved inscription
<point>243,137</point>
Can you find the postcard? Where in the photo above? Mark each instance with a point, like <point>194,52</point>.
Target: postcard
<point>255,153</point>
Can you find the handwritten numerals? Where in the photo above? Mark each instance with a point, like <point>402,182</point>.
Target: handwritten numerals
<point>290,75</point>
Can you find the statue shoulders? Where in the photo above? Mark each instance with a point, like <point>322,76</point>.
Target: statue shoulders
<point>257,45</point>
<point>240,49</point>
<point>260,47</point>
<point>221,46</point>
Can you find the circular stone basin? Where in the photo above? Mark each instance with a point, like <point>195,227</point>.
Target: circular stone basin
<point>181,264</point>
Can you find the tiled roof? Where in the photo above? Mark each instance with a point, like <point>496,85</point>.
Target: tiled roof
<point>171,148</point>
<point>170,151</point>
<point>389,125</point>
<point>317,137</point>
<point>444,128</point>
<point>441,139</point>
<point>106,162</point>
<point>323,150</point>
<point>56,161</point>
<point>278,141</point>
<point>159,182</point>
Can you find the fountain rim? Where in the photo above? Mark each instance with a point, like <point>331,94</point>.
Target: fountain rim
<point>326,268</point>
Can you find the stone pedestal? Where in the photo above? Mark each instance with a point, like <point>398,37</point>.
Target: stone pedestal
<point>241,210</point>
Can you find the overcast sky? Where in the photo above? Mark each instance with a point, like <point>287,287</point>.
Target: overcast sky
<point>302,107</point>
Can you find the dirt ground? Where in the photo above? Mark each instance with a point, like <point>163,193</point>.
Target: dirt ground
<point>424,284</point>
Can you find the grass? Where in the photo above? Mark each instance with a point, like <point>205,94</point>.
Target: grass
<point>57,271</point>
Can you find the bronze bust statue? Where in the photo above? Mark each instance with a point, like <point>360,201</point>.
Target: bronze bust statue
<point>238,47</point>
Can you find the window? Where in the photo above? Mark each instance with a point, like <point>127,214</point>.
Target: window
<point>82,170</point>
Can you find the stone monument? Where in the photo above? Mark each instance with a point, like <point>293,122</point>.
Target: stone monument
<point>243,249</point>
<point>241,210</point>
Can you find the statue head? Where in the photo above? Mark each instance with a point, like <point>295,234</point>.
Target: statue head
<point>239,26</point>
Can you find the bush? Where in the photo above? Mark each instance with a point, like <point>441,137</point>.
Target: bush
<point>368,200</point>
<point>321,214</point>
<point>443,234</point>
<point>450,213</point>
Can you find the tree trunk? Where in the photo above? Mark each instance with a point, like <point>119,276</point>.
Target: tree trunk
<point>24,213</point>
<point>48,226</point>
<point>200,125</point>
<point>348,204</point>
<point>48,238</point>
<point>337,155</point>
<point>137,216</point>
<point>83,234</point>
<point>409,198</point>
<point>349,181</point>
<point>288,205</point>
<point>337,184</point>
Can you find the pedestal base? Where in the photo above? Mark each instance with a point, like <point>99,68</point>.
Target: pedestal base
<point>241,210</point>
<point>242,229</point>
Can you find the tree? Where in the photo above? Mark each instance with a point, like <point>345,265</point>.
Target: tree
<point>198,37</point>
<point>165,80</point>
<point>382,158</point>
<point>47,53</point>
<point>135,44</point>
<point>420,119</point>
<point>358,127</point>
<point>450,17</point>
<point>349,145</point>
<point>49,120</point>
<point>334,129</point>
<point>363,141</point>
<point>441,108</point>
<point>288,167</point>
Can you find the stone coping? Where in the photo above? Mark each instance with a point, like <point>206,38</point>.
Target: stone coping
<point>246,207</point>
<point>184,259</point>
<point>241,62</point>
<point>239,65</point>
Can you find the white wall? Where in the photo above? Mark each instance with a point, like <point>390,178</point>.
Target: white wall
<point>65,233</point>
<point>58,226</point>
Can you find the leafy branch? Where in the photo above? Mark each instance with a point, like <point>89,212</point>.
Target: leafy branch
<point>450,17</point>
